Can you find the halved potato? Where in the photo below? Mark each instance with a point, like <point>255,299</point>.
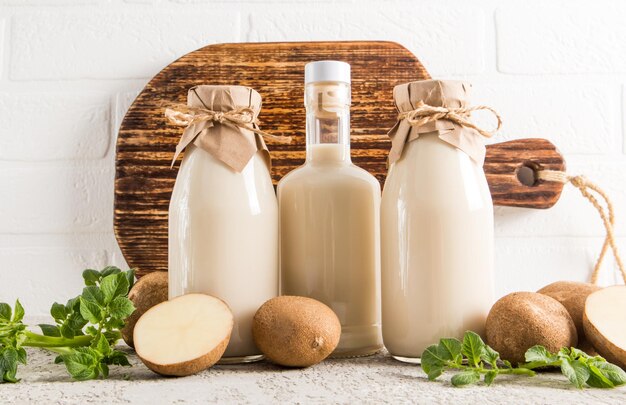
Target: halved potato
<point>604,321</point>
<point>183,336</point>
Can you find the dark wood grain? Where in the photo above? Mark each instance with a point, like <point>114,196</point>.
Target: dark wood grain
<point>504,160</point>
<point>145,145</point>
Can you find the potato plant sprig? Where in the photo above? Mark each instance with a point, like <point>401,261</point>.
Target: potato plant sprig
<point>474,358</point>
<point>579,368</point>
<point>481,360</point>
<point>85,331</point>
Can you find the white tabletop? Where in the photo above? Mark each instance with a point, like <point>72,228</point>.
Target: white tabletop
<point>376,379</point>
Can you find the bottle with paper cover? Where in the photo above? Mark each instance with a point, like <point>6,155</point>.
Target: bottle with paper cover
<point>436,226</point>
<point>223,216</point>
<point>329,217</point>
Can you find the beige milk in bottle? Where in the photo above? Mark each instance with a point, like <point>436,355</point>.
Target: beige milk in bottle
<point>329,217</point>
<point>436,226</point>
<point>223,218</point>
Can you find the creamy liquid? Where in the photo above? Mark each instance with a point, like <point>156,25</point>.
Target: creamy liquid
<point>437,247</point>
<point>223,238</point>
<point>329,242</point>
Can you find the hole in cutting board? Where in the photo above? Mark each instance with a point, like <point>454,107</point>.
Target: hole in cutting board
<point>527,174</point>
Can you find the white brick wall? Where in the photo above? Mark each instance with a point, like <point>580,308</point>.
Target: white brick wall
<point>553,69</point>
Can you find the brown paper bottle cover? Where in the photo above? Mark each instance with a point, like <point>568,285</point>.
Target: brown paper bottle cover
<point>231,144</point>
<point>438,93</point>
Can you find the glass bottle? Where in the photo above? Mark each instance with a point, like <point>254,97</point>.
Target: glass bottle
<point>436,227</point>
<point>329,217</point>
<point>223,220</point>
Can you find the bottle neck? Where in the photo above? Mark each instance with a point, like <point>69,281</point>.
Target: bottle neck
<point>327,122</point>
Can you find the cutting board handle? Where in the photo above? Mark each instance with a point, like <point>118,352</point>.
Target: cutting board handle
<point>511,169</point>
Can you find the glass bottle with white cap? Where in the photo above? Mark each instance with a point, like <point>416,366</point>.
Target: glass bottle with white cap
<point>329,217</point>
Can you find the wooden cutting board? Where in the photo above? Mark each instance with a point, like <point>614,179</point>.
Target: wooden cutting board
<point>145,145</point>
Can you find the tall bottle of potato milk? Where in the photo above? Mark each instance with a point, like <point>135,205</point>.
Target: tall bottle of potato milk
<point>436,223</point>
<point>223,216</point>
<point>329,217</point>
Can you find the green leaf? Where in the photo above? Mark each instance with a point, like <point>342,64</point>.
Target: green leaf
<point>5,312</point>
<point>93,294</point>
<point>540,354</point>
<point>578,354</point>
<point>90,311</point>
<point>121,308</point>
<point>490,376</point>
<point>431,361</point>
<point>612,372</point>
<point>91,277</point>
<point>8,358</point>
<point>564,352</point>
<point>76,322</point>
<point>597,379</point>
<point>67,331</point>
<point>114,285</point>
<point>110,270</point>
<point>130,276</point>
<point>104,369</point>
<point>473,347</point>
<point>118,358</point>
<point>450,349</point>
<point>81,365</point>
<point>21,355</point>
<point>102,346</point>
<point>490,356</point>
<point>18,312</point>
<point>507,364</point>
<point>58,312</point>
<point>576,372</point>
<point>50,330</point>
<point>73,304</point>
<point>465,378</point>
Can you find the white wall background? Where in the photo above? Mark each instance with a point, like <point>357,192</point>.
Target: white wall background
<point>70,69</point>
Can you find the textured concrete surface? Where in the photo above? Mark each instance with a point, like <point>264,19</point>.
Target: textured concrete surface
<point>377,379</point>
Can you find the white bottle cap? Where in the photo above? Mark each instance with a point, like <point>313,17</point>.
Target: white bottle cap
<point>327,71</point>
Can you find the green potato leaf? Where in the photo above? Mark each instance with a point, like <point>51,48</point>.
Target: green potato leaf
<point>121,308</point>
<point>110,270</point>
<point>490,356</point>
<point>114,285</point>
<point>432,363</point>
<point>18,312</point>
<point>50,330</point>
<point>94,295</point>
<point>91,277</point>
<point>90,311</point>
<point>597,379</point>
<point>465,378</point>
<point>59,312</point>
<point>473,347</point>
<point>450,349</point>
<point>539,354</point>
<point>5,312</point>
<point>576,372</point>
<point>490,376</point>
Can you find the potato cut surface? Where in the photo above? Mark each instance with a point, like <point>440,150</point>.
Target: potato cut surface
<point>182,329</point>
<point>606,310</point>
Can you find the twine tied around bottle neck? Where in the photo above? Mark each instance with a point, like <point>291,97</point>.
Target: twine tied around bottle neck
<point>241,117</point>
<point>425,113</point>
<point>586,187</point>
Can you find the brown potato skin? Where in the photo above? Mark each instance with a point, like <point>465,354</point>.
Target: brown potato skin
<point>189,367</point>
<point>295,331</point>
<point>147,292</point>
<point>520,320</point>
<point>572,295</point>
